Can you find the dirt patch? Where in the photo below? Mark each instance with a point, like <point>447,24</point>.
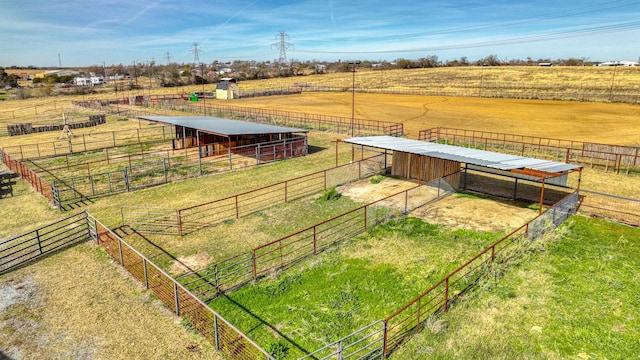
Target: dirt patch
<point>475,214</point>
<point>192,262</point>
<point>454,211</point>
<point>16,291</point>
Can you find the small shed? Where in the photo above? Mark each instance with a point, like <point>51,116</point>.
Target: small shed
<point>216,136</point>
<point>227,89</point>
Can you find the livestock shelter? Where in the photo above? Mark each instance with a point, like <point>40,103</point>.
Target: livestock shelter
<point>227,89</point>
<point>428,161</point>
<point>217,136</point>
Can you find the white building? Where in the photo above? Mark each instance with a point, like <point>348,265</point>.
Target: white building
<point>619,63</point>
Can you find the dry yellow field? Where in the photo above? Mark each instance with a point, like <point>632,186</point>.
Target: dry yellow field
<point>596,122</point>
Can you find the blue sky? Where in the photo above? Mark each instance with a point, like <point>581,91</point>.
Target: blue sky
<point>86,32</point>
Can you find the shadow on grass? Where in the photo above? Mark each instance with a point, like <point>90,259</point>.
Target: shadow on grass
<point>265,323</point>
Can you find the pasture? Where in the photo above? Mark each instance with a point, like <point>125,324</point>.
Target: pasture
<point>508,297</point>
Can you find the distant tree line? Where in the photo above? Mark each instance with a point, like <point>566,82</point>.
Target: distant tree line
<point>175,74</point>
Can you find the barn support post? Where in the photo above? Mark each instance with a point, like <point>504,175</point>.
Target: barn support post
<point>464,183</point>
<point>184,142</point>
<point>541,196</point>
<point>385,161</point>
<point>258,154</point>
<point>199,156</point>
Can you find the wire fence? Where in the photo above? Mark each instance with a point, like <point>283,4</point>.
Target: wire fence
<point>408,319</point>
<point>615,157</point>
<point>226,337</point>
<point>38,183</point>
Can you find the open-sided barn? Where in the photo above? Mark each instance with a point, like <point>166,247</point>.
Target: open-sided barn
<point>216,136</point>
<point>427,161</point>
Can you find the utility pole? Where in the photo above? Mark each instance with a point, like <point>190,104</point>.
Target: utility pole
<point>282,45</point>
<point>59,61</point>
<point>354,63</point>
<point>135,72</point>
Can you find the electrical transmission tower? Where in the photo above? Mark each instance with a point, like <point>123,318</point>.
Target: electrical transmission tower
<point>282,45</point>
<point>196,53</point>
<point>168,57</point>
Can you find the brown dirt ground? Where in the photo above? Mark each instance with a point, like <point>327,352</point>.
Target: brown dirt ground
<point>454,212</point>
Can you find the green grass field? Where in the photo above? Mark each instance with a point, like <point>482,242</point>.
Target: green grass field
<point>350,285</point>
<point>574,297</point>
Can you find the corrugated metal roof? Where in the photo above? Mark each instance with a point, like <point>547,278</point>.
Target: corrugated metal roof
<point>488,159</point>
<point>221,126</point>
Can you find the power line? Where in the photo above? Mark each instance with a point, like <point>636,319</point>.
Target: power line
<point>282,45</point>
<point>196,53</point>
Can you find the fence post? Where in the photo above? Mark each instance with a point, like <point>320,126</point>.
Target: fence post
<point>217,276</point>
<point>237,209</point>
<point>177,297</point>
<point>120,250</point>
<point>146,277</point>
<point>126,178</point>
<point>253,260</point>
<point>315,252</point>
<point>215,331</point>
<point>385,329</point>
<point>365,218</point>
<point>446,294</point>
<point>39,243</point>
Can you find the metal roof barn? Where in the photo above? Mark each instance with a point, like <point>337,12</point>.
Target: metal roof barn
<point>221,126</point>
<point>217,136</point>
<point>433,160</point>
<point>470,156</point>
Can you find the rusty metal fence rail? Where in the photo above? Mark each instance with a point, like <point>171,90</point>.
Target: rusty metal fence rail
<point>39,184</point>
<point>615,157</point>
<point>408,319</point>
<point>42,241</point>
<point>199,216</point>
<point>226,338</point>
<point>232,273</point>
